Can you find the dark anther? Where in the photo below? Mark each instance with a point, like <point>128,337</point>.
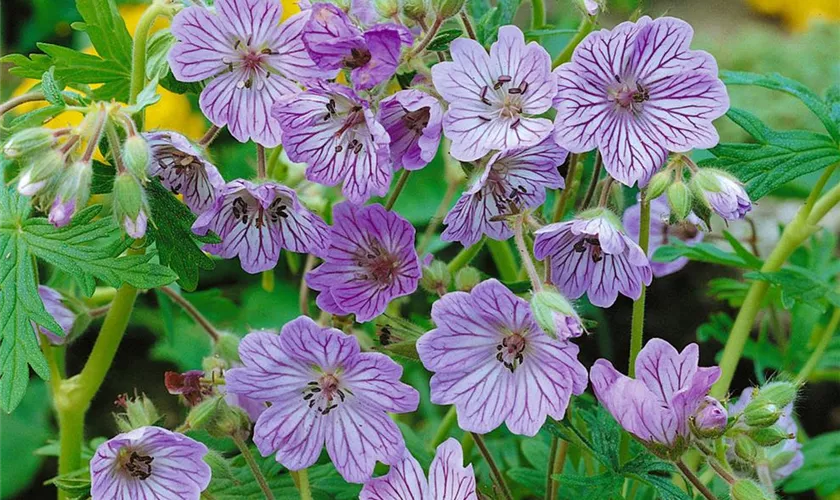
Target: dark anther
<point>139,466</point>
<point>484,96</point>
<point>483,118</point>
<point>309,396</point>
<point>358,148</point>
<point>580,246</point>
<point>248,83</point>
<point>523,87</point>
<point>617,79</point>
<point>339,148</point>
<point>641,95</point>
<point>237,44</point>
<point>331,106</point>
<point>514,91</point>
<point>239,209</point>
<point>597,254</point>
<point>266,51</point>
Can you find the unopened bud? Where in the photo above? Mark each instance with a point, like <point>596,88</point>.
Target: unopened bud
<point>707,179</point>
<point>769,436</point>
<point>555,314</point>
<point>760,413</point>
<point>227,347</point>
<point>745,449</point>
<point>73,192</point>
<point>779,393</point>
<point>436,278</point>
<point>139,412</point>
<point>447,8</point>
<point>219,419</point>
<point>43,171</point>
<point>29,141</point>
<point>387,9</point>
<point>203,414</point>
<point>744,489</point>
<point>136,156</point>
<point>659,183</point>
<point>710,419</point>
<point>679,198</point>
<point>415,9</point>
<point>467,278</point>
<point>130,205</point>
<point>779,460</point>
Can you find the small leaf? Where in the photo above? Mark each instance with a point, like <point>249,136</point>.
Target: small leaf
<point>157,65</point>
<point>748,257</point>
<point>52,88</point>
<point>821,468</point>
<point>799,285</point>
<point>170,83</point>
<point>702,252</point>
<point>443,39</point>
<point>146,97</point>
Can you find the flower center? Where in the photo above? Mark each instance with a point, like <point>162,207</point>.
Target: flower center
<point>510,351</point>
<point>137,465</point>
<point>247,210</point>
<point>379,265</point>
<point>357,58</point>
<point>416,121</point>
<point>508,99</point>
<point>628,95</point>
<point>593,243</point>
<point>324,394</point>
<point>251,59</point>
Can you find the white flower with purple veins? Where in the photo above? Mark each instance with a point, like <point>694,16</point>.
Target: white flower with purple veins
<point>334,43</point>
<point>371,260</point>
<point>494,99</point>
<point>637,92</point>
<point>723,193</point>
<point>662,233</point>
<point>183,169</point>
<point>513,180</point>
<point>255,221</point>
<point>592,255</point>
<point>334,132</point>
<point>493,362</point>
<point>323,390</point>
<point>251,59</point>
<point>448,478</point>
<point>63,316</point>
<point>150,463</point>
<point>413,120</point>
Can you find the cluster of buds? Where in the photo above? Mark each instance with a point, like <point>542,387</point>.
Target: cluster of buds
<point>138,412</point>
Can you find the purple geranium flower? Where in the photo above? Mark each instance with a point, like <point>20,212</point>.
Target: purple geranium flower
<point>371,261</point>
<point>493,99</point>
<point>723,193</point>
<point>662,233</point>
<point>323,389</point>
<point>413,121</point>
<point>183,169</point>
<point>63,316</point>
<point>150,463</point>
<point>592,255</point>
<point>637,92</point>
<point>333,43</point>
<point>256,221</point>
<point>513,180</point>
<point>251,59</point>
<point>494,363</point>
<point>334,131</point>
<point>448,478</point>
<point>656,406</point>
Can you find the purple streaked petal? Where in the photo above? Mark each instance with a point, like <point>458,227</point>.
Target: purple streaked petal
<point>270,375</point>
<point>254,21</point>
<point>661,49</point>
<point>304,340</point>
<point>292,431</point>
<point>289,54</point>
<point>410,149</point>
<point>370,377</point>
<point>404,481</point>
<point>203,45</point>
<point>448,478</point>
<point>384,43</point>
<point>474,133</point>
<point>524,63</point>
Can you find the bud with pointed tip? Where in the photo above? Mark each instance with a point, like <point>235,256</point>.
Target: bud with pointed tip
<point>744,489</point>
<point>659,183</point>
<point>130,205</point>
<point>447,8</point>
<point>467,278</point>
<point>42,173</point>
<point>28,142</point>
<point>436,277</point>
<point>781,393</point>
<point>745,449</point>
<point>769,436</point>
<point>761,413</point>
<point>136,154</point>
<point>219,419</point>
<point>679,198</point>
<point>555,314</point>
<point>710,419</point>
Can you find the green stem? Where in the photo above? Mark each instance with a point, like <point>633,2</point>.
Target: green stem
<point>466,256</point>
<point>638,321</point>
<point>819,351</point>
<point>192,312</point>
<point>271,165</point>
<point>138,56</point>
<point>593,182</point>
<point>397,189</point>
<point>525,255</point>
<point>552,456</point>
<point>586,27</point>
<point>430,35</point>
<point>71,431</point>
<point>570,192</point>
<point>504,259</point>
<point>429,233</point>
<point>255,468</point>
<point>114,144</point>
<point>303,485</point>
<point>695,481</point>
<point>445,426</point>
<point>556,464</point>
<point>494,469</point>
<point>537,14</point>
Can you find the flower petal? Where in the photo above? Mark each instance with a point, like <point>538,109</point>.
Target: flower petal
<point>448,478</point>
<point>524,63</point>
<point>253,21</point>
<point>202,47</point>
<point>269,373</point>
<point>293,431</point>
<point>371,376</point>
<point>661,49</point>
<point>404,481</point>
<point>327,348</point>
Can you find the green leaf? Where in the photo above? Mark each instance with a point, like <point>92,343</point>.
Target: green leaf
<point>157,65</point>
<point>776,159</point>
<point>52,88</point>
<point>23,432</point>
<point>530,479</point>
<point>34,118</point>
<point>778,82</point>
<point>106,29</point>
<point>799,285</point>
<point>146,97</point>
<point>443,39</point>
<point>177,245</point>
<point>821,470</point>
<point>170,83</point>
<point>741,251</point>
<point>702,252</point>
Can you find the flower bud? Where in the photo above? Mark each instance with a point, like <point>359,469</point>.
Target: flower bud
<point>593,7</point>
<point>227,347</point>
<point>415,9</point>
<point>73,193</point>
<point>136,156</point>
<point>42,172</point>
<point>139,412</point>
<point>722,193</point>
<point>710,419</point>
<point>679,198</point>
<point>760,413</point>
<point>219,419</point>
<point>744,489</point>
<point>769,436</point>
<point>447,8</point>
<point>436,278</point>
<point>555,314</point>
<point>779,460</point>
<point>203,414</point>
<point>130,205</point>
<point>659,183</point>
<point>29,141</point>
<point>467,278</point>
<point>779,393</point>
<point>745,449</point>
<point>387,9</point>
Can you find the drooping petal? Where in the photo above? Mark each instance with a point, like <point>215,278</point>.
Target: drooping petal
<point>401,115</point>
<point>448,478</point>
<point>404,481</point>
<point>384,43</point>
<point>203,45</point>
<point>53,303</point>
<point>614,274</point>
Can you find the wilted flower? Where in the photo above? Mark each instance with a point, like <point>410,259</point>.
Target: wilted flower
<point>255,221</point>
<point>513,180</point>
<point>494,363</point>
<point>448,478</point>
<point>151,463</point>
<point>592,255</point>
<point>183,169</point>
<point>662,233</point>
<point>657,405</point>
<point>251,58</point>
<point>61,313</point>
<point>323,389</point>
<point>637,92</point>
<point>334,131</point>
<point>493,99</point>
<point>723,193</point>
<point>413,121</point>
<point>188,384</point>
<point>370,261</point>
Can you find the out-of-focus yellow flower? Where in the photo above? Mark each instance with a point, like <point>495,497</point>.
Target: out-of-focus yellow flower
<point>797,15</point>
<point>290,8</point>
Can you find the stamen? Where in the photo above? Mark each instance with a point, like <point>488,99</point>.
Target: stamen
<point>484,96</point>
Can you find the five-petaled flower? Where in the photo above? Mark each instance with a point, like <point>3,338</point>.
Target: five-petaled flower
<point>513,180</point>
<point>494,99</point>
<point>657,406</point>
<point>254,221</point>
<point>448,478</point>
<point>493,362</point>
<point>637,92</point>
<point>413,121</point>
<point>371,260</point>
<point>592,255</point>
<point>323,390</point>
<point>151,463</point>
<point>335,133</point>
<point>251,59</point>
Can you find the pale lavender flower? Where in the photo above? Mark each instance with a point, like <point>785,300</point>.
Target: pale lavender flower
<point>413,120</point>
<point>513,180</point>
<point>448,478</point>
<point>657,405</point>
<point>710,418</point>
<point>150,463</point>
<point>183,169</point>
<point>637,92</point>
<point>371,260</point>
<point>592,255</point>
<point>493,362</point>
<point>255,221</point>
<point>333,43</point>
<point>723,193</point>
<point>493,99</point>
<point>61,211</point>
<point>63,316</point>
<point>323,390</point>
<point>334,132</point>
<point>251,59</point>
<point>662,233</point>
<point>785,457</point>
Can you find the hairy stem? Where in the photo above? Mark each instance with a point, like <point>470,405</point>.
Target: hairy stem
<point>762,470</point>
<point>465,256</point>
<point>468,27</point>
<point>21,99</point>
<point>252,464</point>
<point>556,462</point>
<point>693,479</point>
<point>537,14</point>
<point>192,311</point>
<point>138,56</point>
<point>114,144</point>
<point>260,161</point>
<point>397,189</point>
<point>525,255</point>
<point>209,136</point>
<point>494,469</point>
<point>430,35</point>
<point>638,320</point>
<point>570,192</point>
<point>303,485</point>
